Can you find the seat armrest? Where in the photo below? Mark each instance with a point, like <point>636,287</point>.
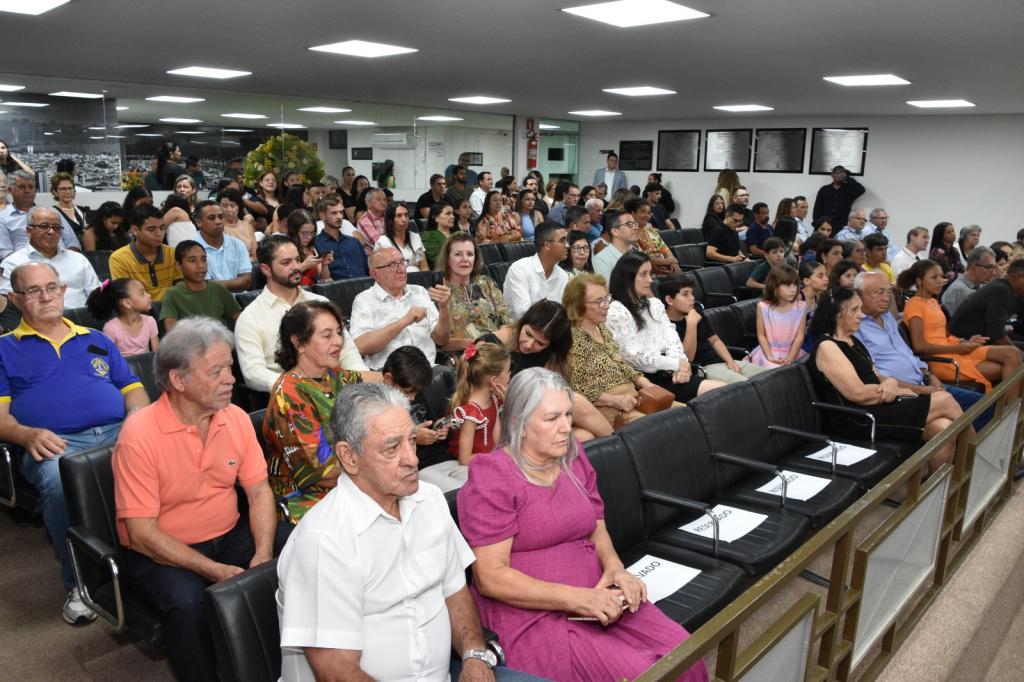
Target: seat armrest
<point>8,497</point>
<point>798,433</point>
<point>737,352</point>
<point>683,503</point>
<point>491,642</point>
<point>728,298</point>
<point>948,361</point>
<point>852,411</point>
<point>756,466</point>
<point>690,268</point>
<point>103,557</point>
<point>745,291</point>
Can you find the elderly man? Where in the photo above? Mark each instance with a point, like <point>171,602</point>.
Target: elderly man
<point>980,270</point>
<point>610,175</point>
<point>595,208</point>
<point>14,218</point>
<point>624,233</point>
<point>393,313</point>
<point>227,257</point>
<point>176,466</point>
<point>63,388</point>
<point>476,199</point>
<point>836,199</point>
<point>988,310</point>
<point>917,244</point>
<point>804,228</point>
<point>258,327</point>
<point>856,227</point>
<point>370,225</point>
<point>44,246</point>
<point>372,581</point>
<point>533,279</point>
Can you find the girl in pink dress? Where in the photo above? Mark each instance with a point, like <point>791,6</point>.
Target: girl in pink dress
<point>123,304</point>
<point>781,319</point>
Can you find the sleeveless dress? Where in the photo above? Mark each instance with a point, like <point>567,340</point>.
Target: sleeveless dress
<point>934,321</point>
<point>780,328</point>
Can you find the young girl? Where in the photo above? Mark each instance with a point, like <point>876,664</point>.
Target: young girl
<point>843,274</point>
<point>122,302</point>
<point>814,283</point>
<point>483,376</point>
<point>781,320</point>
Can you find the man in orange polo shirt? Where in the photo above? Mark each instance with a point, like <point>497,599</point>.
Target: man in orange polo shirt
<point>175,468</point>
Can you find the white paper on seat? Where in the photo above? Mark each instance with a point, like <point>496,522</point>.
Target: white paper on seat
<point>663,577</point>
<point>799,486</point>
<point>733,523</point>
<point>846,454</point>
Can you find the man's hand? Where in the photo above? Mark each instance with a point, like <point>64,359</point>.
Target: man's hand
<point>43,444</point>
<point>415,314</point>
<point>259,558</point>
<point>221,572</point>
<point>475,670</point>
<point>693,317</point>
<point>439,294</point>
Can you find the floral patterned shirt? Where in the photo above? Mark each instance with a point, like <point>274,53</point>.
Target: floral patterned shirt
<point>477,308</point>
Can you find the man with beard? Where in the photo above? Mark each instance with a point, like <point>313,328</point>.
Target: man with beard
<point>256,332</point>
<point>349,255</point>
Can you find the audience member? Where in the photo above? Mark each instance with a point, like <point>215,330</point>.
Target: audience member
<point>624,235</point>
<point>843,274</point>
<point>713,216</point>
<point>774,254</point>
<point>567,195</point>
<point>147,259</point>
<point>440,226</point>
<point>196,296</point>
<point>878,220</point>
<point>856,252</point>
<point>758,230</point>
<point>408,370</point>
<point>781,320</point>
<point>724,245</point>
<point>476,305</point>
<point>398,236</point>
<point>804,228</point>
<point>980,270</point>
<point>970,237</point>
<point>917,244</point>
<point>876,246</point>
<point>434,195</point>
<point>301,229</point>
<point>577,219</point>
<point>987,312</point>
<point>484,185</point>
<point>856,227</point>
<point>727,184</point>
<point>14,218</point>
<point>348,258</point>
<point>808,248</point>
<point>741,198</point>
<point>370,225</point>
<point>226,256</point>
<point>496,222</point>
<point>72,217</point>
<point>578,261</point>
<point>836,199</point>
<point>168,165</point>
<point>238,223</point>
<point>123,305</point>
<point>659,214</point>
<point>830,254</point>
<point>823,225</point>
<point>529,215</point>
<point>177,217</point>
<point>465,159</point>
<point>106,230</point>
<point>610,175</point>
<point>538,277</point>
<point>944,252</point>
<point>649,239</point>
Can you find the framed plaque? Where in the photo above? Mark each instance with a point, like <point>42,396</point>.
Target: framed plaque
<point>337,139</point>
<point>636,155</point>
<point>362,153</point>
<point>678,150</point>
<point>847,147</point>
<point>727,149</point>
<point>779,150</point>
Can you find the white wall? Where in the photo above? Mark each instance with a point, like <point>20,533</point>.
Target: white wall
<point>921,169</point>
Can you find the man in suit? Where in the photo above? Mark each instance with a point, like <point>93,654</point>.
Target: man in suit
<point>610,175</point>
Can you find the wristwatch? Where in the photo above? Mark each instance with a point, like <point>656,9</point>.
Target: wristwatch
<point>485,655</point>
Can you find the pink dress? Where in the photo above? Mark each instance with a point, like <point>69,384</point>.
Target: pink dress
<point>550,529</point>
<point>131,345</point>
<point>780,328</point>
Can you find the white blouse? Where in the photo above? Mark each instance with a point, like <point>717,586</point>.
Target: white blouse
<point>413,251</point>
<point>654,348</point>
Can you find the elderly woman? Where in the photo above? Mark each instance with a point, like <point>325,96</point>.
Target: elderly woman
<point>843,373</point>
<point>297,426</point>
<point>72,217</point>
<point>651,243</point>
<point>398,235</point>
<point>596,367</point>
<point>476,306</point>
<point>531,575</point>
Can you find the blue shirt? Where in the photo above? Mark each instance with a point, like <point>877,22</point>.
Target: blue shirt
<point>757,234</point>
<point>848,235</point>
<point>227,262</point>
<point>349,256</point>
<point>890,353</point>
<point>66,386</point>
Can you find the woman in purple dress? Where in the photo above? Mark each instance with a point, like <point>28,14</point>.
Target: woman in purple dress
<point>547,578</point>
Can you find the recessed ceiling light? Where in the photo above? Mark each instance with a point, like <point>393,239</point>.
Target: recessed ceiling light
<point>175,99</point>
<point>548,126</point>
<point>628,13</point>
<point>356,123</point>
<point>744,107</point>
<point>877,79</point>
<point>117,137</point>
<point>181,120</point>
<point>479,99</point>
<point>122,108</point>
<point>238,115</point>
<point>96,137</point>
<point>363,48</point>
<point>238,130</point>
<point>325,110</point>
<point>33,7</point>
<point>286,126</point>
<point>595,112</point>
<point>640,91</point>
<point>97,127</point>
<point>209,72</point>
<point>36,105</point>
<point>189,132</point>
<point>133,125</point>
<point>79,95</point>
<point>48,134</point>
<point>439,118</point>
<point>11,88</point>
<point>4,111</point>
<point>148,135</point>
<point>940,103</point>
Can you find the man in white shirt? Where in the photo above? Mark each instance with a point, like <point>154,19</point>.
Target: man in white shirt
<point>533,279</point>
<point>258,327</point>
<point>44,228</point>
<point>393,313</point>
<point>610,175</point>
<point>624,232</point>
<point>915,250</point>
<point>804,229</point>
<point>372,580</point>
<point>13,219</point>
<point>476,199</point>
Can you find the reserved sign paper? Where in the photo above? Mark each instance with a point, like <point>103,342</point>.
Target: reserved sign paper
<point>733,523</point>
<point>846,454</point>
<point>663,577</point>
<point>798,486</point>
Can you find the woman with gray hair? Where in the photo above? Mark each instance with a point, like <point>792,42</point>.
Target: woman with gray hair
<point>551,589</point>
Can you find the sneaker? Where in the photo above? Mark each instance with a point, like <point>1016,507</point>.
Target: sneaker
<point>75,610</point>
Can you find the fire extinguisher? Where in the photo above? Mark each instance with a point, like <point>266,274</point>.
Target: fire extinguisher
<point>531,153</point>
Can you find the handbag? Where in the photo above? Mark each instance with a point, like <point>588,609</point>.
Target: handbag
<point>654,398</point>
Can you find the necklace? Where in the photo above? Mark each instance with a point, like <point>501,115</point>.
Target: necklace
<point>537,467</point>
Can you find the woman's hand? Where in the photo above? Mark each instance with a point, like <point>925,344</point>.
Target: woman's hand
<point>623,403</point>
<point>643,382</point>
<point>888,389</point>
<point>607,605</point>
<point>683,374</point>
<point>978,339</point>
<point>966,347</point>
<point>734,366</point>
<point>310,262</point>
<point>633,589</point>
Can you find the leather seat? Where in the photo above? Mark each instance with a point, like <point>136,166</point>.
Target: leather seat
<point>497,271</point>
<point>243,619</point>
<point>690,256</point>
<point>83,318</point>
<point>739,273</point>
<point>490,253</point>
<point>424,279</point>
<point>690,235</point>
<point>716,284</point>
<point>728,327</point>
<point>244,298</point>
<point>717,584</point>
<point>142,367</point>
<point>671,237</point>
<point>516,250</point>
<point>100,262</point>
<point>343,292</point>
<point>665,466</point>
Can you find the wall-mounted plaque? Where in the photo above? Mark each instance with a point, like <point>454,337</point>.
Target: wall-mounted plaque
<point>337,139</point>
<point>845,147</point>
<point>362,153</point>
<point>727,149</point>
<point>678,150</point>
<point>636,155</point>
<point>779,150</point>
<point>476,158</point>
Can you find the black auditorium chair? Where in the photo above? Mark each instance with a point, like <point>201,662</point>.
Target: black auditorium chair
<point>490,253</point>
<point>242,611</point>
<point>671,237</point>
<point>795,418</point>
<point>726,325</point>
<point>257,416</point>
<point>690,256</point>
<point>83,318</point>
<point>676,473</point>
<point>739,273</point>
<point>516,250</point>
<point>690,235</point>
<point>718,582</point>
<point>100,262</point>
<point>142,367</point>
<point>244,298</point>
<point>743,462</point>
<point>497,271</point>
<point>243,396</point>
<point>342,292</point>
<point>747,311</point>
<point>424,279</point>
<point>88,482</point>
<point>258,280</point>
<point>15,491</point>
<point>716,285</point>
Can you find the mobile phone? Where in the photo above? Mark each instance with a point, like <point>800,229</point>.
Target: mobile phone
<point>438,279</point>
<point>441,423</point>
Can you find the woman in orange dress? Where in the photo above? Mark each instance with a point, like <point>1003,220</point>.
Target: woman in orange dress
<point>928,335</point>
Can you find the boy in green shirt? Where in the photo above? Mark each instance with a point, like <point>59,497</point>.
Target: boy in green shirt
<point>774,254</point>
<point>196,295</point>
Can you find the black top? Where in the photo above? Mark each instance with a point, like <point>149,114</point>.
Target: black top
<point>836,203</point>
<point>426,200</point>
<point>521,361</point>
<point>9,167</point>
<point>347,200</point>
<point>985,312</point>
<point>725,240</point>
<point>704,354</point>
<point>712,221</point>
<point>170,174</point>
<point>660,218</point>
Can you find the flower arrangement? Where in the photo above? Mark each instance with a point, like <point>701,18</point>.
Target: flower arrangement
<point>283,154</point>
<point>132,178</point>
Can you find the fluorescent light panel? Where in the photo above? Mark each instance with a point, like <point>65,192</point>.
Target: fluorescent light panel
<point>180,120</point>
<point>363,48</point>
<point>148,135</point>
<point>36,105</point>
<point>548,126</point>
<point>189,132</point>
<point>744,107</point>
<point>209,72</point>
<point>133,125</point>
<point>640,91</point>
<point>356,123</point>
<point>96,137</point>
<point>33,7</point>
<point>595,112</point>
<point>97,127</point>
<point>241,115</point>
<point>122,108</point>
<point>175,99</point>
<point>78,95</point>
<point>325,110</point>
<point>286,126</point>
<point>939,103</point>
<point>478,99</point>
<point>11,88</point>
<point>877,79</point>
<point>439,118</point>
<point>238,130</point>
<point>629,13</point>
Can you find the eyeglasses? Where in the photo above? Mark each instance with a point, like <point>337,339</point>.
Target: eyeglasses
<point>582,248</point>
<point>65,189</point>
<point>48,227</point>
<point>394,265</point>
<point>563,240</point>
<point>604,301</point>
<point>985,267</point>
<point>632,224</point>
<point>35,293</point>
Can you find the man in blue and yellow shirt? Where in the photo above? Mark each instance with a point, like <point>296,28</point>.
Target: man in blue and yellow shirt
<point>63,389</point>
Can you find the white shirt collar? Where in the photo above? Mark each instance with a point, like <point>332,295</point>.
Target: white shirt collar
<point>365,510</point>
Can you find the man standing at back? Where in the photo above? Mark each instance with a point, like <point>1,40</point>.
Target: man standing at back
<point>538,277</point>
<point>610,175</point>
<point>835,200</point>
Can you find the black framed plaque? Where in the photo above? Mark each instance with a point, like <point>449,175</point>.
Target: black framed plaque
<point>678,150</point>
<point>337,139</point>
<point>636,155</point>
<point>779,150</point>
<point>362,153</point>
<point>727,149</point>
<point>847,147</point>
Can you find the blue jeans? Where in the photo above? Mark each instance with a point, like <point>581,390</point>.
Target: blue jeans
<point>965,399</point>
<point>45,476</point>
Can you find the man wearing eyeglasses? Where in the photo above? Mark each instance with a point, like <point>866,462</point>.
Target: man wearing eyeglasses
<point>981,269</point>
<point>625,233</point>
<point>393,313</point>
<point>44,246</point>
<point>538,277</point>
<point>63,388</point>
<point>14,218</point>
